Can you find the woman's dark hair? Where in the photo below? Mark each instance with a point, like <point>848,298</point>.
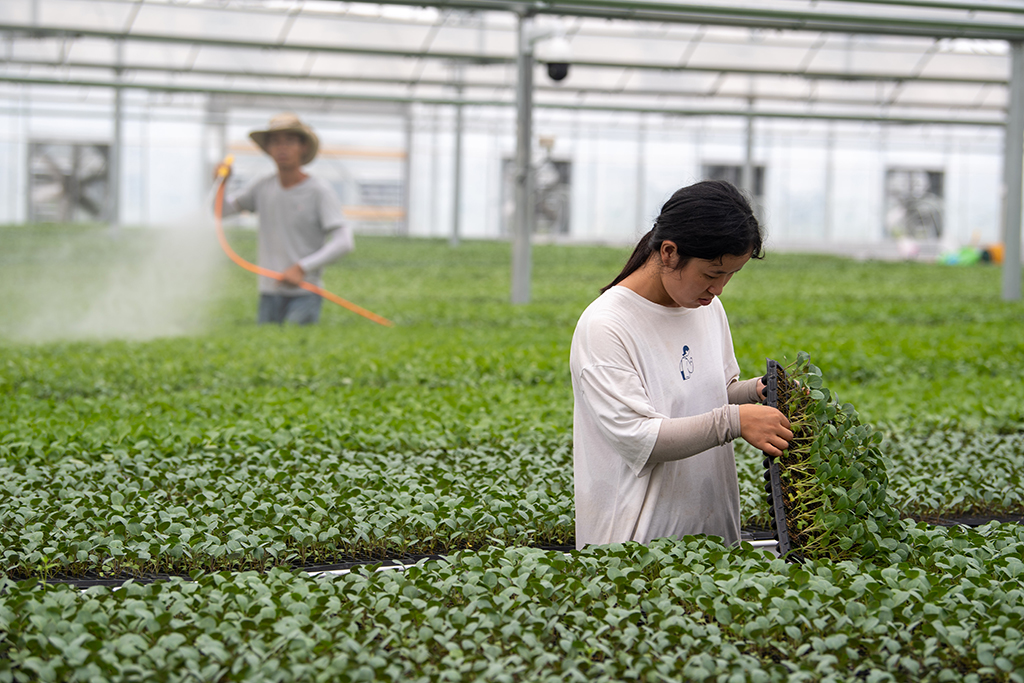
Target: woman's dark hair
<point>706,220</point>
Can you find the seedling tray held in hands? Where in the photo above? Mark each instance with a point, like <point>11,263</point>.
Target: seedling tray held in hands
<point>773,484</point>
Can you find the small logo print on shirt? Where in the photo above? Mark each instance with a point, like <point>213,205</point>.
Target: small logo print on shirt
<point>686,363</point>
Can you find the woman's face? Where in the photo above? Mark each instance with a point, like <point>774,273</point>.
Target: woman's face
<point>698,282</point>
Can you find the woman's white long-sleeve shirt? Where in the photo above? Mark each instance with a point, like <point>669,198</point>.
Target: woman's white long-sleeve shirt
<point>634,364</point>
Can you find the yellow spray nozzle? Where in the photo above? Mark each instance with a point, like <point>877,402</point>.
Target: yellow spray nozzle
<point>225,166</point>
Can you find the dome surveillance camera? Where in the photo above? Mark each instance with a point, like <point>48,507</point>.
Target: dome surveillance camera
<point>557,71</point>
<point>558,54</point>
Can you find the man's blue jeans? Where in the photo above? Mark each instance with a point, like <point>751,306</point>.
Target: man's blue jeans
<point>303,309</point>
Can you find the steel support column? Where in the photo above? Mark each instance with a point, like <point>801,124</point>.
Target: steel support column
<point>747,173</point>
<point>524,219</point>
<point>407,171</point>
<point>1013,170</point>
<point>830,170</point>
<point>215,134</point>
<point>457,174</point>
<point>114,160</point>
<point>641,173</point>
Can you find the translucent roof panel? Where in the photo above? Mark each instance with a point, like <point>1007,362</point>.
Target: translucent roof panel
<point>913,60</point>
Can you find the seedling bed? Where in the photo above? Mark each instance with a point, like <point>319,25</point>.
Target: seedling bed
<point>90,579</point>
<point>972,521</point>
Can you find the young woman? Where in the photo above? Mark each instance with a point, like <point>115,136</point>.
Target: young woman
<point>656,385</point>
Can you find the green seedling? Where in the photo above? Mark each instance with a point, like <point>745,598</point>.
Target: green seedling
<point>833,476</point>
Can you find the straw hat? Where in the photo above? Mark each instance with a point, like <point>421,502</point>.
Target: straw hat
<point>288,123</point>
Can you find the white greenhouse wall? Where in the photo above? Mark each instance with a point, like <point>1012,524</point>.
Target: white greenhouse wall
<point>168,149</point>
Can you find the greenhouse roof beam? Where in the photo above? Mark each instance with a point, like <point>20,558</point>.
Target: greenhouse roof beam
<point>469,57</point>
<point>947,4</point>
<point>447,101</point>
<point>444,83</point>
<point>249,73</point>
<point>595,30</point>
<point>814,75</point>
<point>69,32</point>
<point>761,16</point>
<point>943,5</point>
<point>742,16</point>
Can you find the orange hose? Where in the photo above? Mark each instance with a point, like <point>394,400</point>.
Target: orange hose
<point>218,212</point>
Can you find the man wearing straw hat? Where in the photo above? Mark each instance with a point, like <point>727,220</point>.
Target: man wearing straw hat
<point>300,223</point>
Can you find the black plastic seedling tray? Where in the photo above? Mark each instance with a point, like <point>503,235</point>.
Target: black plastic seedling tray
<point>773,484</point>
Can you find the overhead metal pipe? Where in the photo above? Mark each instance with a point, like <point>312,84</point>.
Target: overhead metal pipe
<point>471,58</point>
<point>581,90</point>
<point>943,4</point>
<point>818,19</point>
<point>961,5</point>
<point>68,31</point>
<point>442,101</point>
<point>1013,177</point>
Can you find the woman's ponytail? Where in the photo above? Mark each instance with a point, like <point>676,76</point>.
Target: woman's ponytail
<point>641,253</point>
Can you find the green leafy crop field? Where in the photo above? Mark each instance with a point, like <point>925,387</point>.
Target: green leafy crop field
<point>138,449</point>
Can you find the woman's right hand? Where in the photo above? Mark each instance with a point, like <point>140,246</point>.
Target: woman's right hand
<point>765,428</point>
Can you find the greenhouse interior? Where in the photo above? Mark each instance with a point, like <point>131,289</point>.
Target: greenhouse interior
<point>886,139</point>
<point>386,485</point>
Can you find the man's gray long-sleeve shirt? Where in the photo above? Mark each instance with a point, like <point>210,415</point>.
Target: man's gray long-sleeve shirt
<point>301,224</point>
